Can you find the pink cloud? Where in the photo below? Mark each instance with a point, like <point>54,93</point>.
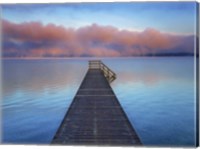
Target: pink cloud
<point>37,40</point>
<point>36,31</point>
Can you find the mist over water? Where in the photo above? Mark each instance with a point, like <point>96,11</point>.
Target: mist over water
<point>157,95</point>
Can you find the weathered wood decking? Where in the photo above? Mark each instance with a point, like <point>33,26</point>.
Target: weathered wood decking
<point>95,116</point>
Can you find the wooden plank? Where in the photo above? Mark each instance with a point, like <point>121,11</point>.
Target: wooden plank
<point>95,116</point>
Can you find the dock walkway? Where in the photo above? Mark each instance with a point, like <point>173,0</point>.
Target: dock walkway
<point>95,116</point>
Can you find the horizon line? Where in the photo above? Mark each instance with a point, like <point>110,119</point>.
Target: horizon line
<point>32,58</point>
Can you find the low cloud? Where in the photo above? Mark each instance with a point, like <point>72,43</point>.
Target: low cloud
<point>33,39</point>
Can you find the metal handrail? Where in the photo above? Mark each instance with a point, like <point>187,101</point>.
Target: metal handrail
<point>108,73</point>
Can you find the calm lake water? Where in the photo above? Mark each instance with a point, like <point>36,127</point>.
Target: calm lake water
<point>157,95</point>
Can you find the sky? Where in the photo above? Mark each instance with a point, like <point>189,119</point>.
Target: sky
<point>98,29</point>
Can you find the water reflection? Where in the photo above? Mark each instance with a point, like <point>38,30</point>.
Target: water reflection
<point>158,97</point>
<point>37,93</point>
<point>149,71</point>
<point>39,75</point>
<point>156,93</point>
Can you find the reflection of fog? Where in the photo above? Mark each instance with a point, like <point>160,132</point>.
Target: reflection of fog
<point>147,79</point>
<point>38,75</point>
<point>150,71</point>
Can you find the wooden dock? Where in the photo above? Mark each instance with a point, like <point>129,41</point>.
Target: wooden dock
<point>95,116</point>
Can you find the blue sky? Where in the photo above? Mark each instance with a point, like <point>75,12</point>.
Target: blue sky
<point>172,17</point>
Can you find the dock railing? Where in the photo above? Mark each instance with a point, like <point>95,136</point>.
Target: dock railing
<point>108,73</point>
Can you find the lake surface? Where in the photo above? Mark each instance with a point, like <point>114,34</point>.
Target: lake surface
<point>157,94</point>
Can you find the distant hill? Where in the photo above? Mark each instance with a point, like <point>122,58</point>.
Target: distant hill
<point>171,54</point>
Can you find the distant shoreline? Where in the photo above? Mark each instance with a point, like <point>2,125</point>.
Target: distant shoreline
<point>40,58</point>
<point>88,56</point>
